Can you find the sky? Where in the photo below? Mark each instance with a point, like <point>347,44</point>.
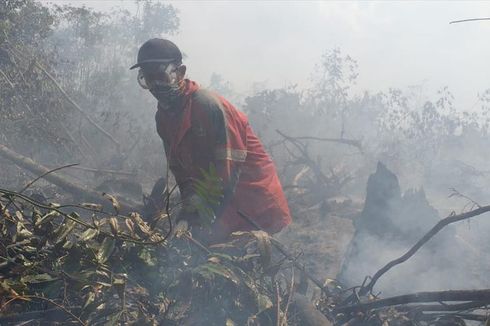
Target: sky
<point>278,43</point>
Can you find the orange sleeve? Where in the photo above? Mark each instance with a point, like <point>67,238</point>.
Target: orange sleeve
<point>226,140</point>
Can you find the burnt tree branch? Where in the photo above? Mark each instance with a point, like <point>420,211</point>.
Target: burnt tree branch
<point>482,297</point>
<point>352,142</point>
<point>440,225</point>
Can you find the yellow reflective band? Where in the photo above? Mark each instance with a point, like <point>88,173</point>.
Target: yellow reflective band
<point>238,155</point>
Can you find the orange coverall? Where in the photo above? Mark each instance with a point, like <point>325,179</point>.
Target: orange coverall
<point>208,129</point>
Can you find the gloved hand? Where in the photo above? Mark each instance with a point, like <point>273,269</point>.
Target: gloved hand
<point>180,228</point>
<point>199,218</point>
<point>190,210</point>
<point>196,212</point>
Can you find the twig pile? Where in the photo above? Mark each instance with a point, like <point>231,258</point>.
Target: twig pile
<point>90,267</point>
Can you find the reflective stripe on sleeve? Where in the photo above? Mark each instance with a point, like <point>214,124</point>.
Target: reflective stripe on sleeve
<point>238,155</point>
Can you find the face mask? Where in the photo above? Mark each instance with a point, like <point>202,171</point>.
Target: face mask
<point>168,95</point>
<point>164,86</point>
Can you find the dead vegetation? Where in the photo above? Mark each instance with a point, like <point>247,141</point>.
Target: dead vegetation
<point>91,264</point>
<point>69,132</point>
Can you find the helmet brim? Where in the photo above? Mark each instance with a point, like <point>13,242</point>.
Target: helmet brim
<point>139,64</point>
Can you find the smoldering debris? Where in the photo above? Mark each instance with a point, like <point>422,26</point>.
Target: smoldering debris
<point>59,268</point>
<point>391,222</point>
<point>96,266</point>
<point>70,255</point>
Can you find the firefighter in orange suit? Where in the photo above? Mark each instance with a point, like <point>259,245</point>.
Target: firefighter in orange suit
<point>201,129</point>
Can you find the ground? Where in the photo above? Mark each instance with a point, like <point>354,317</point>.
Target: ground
<point>322,236</point>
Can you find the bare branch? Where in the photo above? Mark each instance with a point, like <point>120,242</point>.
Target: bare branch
<point>468,20</point>
<point>45,174</point>
<point>441,224</point>
<point>352,142</point>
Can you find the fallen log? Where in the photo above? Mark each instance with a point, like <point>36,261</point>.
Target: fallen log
<point>104,171</point>
<point>443,307</point>
<point>480,296</point>
<point>76,190</point>
<point>445,317</point>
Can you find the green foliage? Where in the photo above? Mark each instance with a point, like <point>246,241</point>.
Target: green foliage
<point>209,190</point>
<point>103,278</point>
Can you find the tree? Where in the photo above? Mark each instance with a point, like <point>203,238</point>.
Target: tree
<point>88,54</point>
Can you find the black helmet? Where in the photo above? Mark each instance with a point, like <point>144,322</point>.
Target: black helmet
<point>157,50</point>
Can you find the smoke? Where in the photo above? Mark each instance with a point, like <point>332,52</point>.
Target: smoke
<point>325,70</point>
<point>390,224</point>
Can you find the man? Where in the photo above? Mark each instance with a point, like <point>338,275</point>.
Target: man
<point>202,133</point>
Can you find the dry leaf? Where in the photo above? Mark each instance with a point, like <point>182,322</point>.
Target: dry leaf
<point>114,225</point>
<point>115,203</point>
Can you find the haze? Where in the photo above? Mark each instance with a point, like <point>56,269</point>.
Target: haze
<point>278,43</point>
